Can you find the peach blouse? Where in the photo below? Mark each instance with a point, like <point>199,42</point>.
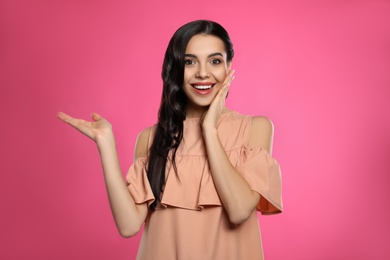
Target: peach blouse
<point>190,222</point>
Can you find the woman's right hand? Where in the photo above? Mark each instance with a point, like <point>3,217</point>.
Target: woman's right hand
<point>96,130</point>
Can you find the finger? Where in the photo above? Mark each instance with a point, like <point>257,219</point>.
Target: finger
<point>229,76</point>
<point>76,123</point>
<point>61,115</point>
<point>225,88</point>
<point>228,80</point>
<point>95,116</point>
<point>64,117</point>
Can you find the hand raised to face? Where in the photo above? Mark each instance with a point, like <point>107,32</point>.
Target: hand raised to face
<point>211,116</point>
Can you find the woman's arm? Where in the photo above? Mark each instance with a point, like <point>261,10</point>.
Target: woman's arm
<point>128,215</point>
<point>236,195</point>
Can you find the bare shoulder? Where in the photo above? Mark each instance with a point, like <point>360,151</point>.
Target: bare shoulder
<point>141,146</point>
<point>262,133</point>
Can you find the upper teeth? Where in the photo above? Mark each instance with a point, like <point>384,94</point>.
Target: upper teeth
<point>202,86</point>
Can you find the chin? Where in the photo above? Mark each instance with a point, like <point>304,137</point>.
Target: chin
<point>198,105</point>
<point>203,103</point>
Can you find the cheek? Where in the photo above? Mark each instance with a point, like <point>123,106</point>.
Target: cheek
<point>221,74</point>
<point>187,75</point>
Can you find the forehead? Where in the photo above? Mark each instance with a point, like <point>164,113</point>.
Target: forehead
<point>204,44</point>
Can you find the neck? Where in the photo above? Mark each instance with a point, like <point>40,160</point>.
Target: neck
<point>191,113</point>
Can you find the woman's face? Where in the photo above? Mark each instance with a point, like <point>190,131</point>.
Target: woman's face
<point>205,70</point>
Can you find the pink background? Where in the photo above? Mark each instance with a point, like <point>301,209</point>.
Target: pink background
<point>318,69</point>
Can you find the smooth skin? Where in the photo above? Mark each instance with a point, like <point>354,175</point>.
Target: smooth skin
<point>236,196</point>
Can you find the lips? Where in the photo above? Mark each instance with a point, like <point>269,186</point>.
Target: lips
<point>203,88</point>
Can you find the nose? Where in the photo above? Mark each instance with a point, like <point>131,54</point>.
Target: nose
<point>202,72</point>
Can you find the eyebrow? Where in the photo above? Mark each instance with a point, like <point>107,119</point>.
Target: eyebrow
<point>209,56</point>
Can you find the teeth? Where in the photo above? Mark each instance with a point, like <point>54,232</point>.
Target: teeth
<point>203,86</point>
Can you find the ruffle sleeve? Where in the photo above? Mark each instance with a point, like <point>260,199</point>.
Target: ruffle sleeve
<point>138,183</point>
<point>262,172</point>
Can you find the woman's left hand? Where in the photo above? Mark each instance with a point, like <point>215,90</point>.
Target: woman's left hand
<point>211,116</point>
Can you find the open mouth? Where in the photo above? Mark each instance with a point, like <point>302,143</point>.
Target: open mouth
<point>202,87</point>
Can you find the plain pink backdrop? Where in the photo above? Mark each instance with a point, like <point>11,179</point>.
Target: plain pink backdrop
<point>319,69</point>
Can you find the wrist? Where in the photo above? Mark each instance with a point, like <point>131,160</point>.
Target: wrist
<point>210,133</point>
<point>105,138</point>
<point>208,126</point>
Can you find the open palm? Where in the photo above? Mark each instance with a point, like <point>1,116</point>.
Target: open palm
<point>95,130</point>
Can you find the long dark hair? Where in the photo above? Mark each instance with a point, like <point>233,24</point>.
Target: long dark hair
<point>172,112</point>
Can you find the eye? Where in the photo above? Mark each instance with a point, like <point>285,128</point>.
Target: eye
<point>189,62</point>
<point>216,61</point>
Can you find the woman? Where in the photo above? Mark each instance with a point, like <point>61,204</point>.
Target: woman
<point>202,171</point>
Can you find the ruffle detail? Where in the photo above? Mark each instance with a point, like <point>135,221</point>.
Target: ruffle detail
<point>192,187</point>
<point>189,188</point>
<point>263,174</point>
<point>138,183</point>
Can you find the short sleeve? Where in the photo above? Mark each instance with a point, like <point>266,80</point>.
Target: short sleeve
<point>138,183</point>
<point>262,172</point>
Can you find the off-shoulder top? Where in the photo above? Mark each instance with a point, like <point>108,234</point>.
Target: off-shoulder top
<point>190,222</point>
